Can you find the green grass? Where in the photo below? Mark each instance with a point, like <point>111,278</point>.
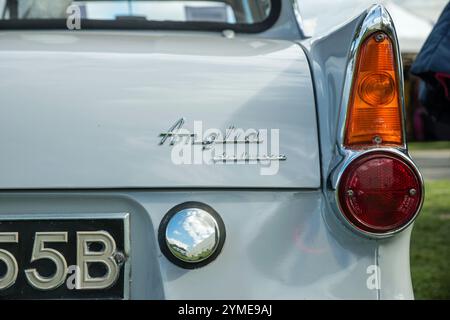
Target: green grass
<point>433,145</point>
<point>430,244</point>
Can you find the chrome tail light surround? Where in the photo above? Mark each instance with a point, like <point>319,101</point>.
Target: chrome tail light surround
<point>377,19</point>
<point>334,184</point>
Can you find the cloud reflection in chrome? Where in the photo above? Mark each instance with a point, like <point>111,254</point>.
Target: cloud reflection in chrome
<point>192,235</point>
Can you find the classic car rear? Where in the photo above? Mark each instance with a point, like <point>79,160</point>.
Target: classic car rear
<point>229,158</point>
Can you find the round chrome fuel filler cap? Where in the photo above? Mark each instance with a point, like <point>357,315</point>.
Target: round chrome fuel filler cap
<point>191,235</point>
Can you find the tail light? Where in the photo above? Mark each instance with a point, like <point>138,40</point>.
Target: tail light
<point>380,192</point>
<point>374,110</point>
<point>378,189</point>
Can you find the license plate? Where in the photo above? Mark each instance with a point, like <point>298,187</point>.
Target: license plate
<point>73,257</point>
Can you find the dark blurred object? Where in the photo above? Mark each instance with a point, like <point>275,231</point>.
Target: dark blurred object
<point>432,65</point>
<point>11,6</point>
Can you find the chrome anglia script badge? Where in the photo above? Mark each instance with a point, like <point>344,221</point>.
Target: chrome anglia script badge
<point>234,146</point>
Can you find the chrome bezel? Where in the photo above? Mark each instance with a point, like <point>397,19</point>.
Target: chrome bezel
<point>164,245</point>
<point>336,178</point>
<point>376,19</point>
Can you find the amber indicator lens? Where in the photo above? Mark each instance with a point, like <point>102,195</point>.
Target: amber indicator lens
<point>377,89</point>
<point>379,193</point>
<point>374,113</point>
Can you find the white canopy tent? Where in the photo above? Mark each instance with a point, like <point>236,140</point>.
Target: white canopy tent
<point>412,30</point>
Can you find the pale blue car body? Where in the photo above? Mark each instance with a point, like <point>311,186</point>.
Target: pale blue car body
<point>81,113</point>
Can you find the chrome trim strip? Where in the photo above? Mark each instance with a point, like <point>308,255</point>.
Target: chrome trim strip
<point>377,19</point>
<point>248,158</point>
<point>127,248</point>
<point>298,18</point>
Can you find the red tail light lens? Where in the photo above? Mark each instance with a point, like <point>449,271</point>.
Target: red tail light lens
<point>379,192</point>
